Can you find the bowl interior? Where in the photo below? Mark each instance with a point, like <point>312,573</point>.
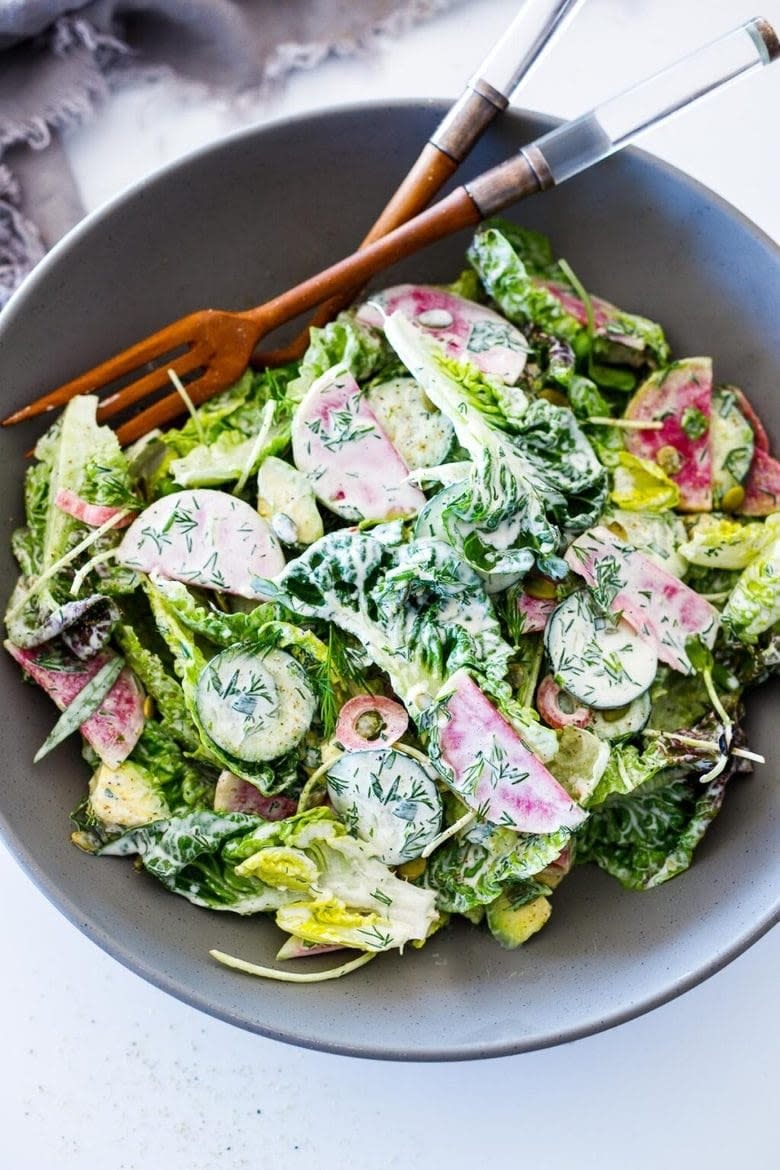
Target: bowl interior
<point>228,227</point>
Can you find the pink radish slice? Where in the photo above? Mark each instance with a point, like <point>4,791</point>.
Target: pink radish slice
<point>465,330</point>
<point>760,436</point>
<point>92,514</point>
<point>605,316</point>
<point>233,794</point>
<point>534,612</point>
<point>113,730</point>
<point>762,486</point>
<point>603,311</point>
<point>548,703</point>
<point>390,717</point>
<point>353,468</point>
<point>680,397</point>
<point>207,538</point>
<point>482,758</point>
<point>296,948</point>
<point>658,605</point>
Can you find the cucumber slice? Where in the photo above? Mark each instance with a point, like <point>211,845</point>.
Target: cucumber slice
<point>601,663</point>
<point>733,444</point>
<point>387,799</point>
<point>420,433</point>
<point>255,705</point>
<point>622,722</point>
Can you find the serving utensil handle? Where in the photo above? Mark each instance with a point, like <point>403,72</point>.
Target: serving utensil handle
<point>551,159</point>
<point>577,145</point>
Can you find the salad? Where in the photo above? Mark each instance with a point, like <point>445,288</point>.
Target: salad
<point>403,632</point>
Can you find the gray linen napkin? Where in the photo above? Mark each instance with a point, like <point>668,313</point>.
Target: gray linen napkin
<point>60,58</point>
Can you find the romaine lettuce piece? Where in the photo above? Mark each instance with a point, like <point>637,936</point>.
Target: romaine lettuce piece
<point>230,457</point>
<point>473,868</point>
<point>531,486</point>
<point>418,610</point>
<point>215,445</point>
<point>715,542</point>
<point>325,886</point>
<point>160,685</point>
<point>647,838</point>
<point>187,854</point>
<point>754,604</point>
<point>517,268</point>
<point>69,454</point>
<point>343,342</point>
<point>639,485</point>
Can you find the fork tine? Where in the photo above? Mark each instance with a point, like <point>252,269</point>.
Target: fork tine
<point>160,343</point>
<point>166,409</point>
<point>185,363</point>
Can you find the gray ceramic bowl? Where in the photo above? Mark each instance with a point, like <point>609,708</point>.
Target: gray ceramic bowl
<point>228,227</point>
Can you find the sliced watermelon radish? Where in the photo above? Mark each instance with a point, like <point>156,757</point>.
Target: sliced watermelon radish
<point>762,486</point>
<point>465,330</point>
<point>233,794</point>
<point>534,612</point>
<point>113,729</point>
<point>296,948</point>
<point>658,605</point>
<point>679,396</point>
<point>92,514</point>
<point>760,437</point>
<point>603,311</point>
<point>482,758</point>
<point>352,466</point>
<point>207,538</point>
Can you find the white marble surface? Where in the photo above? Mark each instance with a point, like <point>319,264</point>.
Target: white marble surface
<point>99,1068</point>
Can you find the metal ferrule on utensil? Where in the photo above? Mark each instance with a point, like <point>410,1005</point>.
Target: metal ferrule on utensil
<point>465,121</point>
<point>507,64</point>
<point>524,174</point>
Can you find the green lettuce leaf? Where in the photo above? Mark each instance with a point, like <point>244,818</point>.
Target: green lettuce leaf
<point>717,542</point>
<point>516,268</point>
<point>159,684</point>
<point>184,782</point>
<point>473,868</point>
<point>754,604</point>
<point>360,349</point>
<point>326,886</point>
<point>650,837</point>
<point>418,610</point>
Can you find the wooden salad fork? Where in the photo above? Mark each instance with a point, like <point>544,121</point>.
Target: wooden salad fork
<point>213,347</point>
